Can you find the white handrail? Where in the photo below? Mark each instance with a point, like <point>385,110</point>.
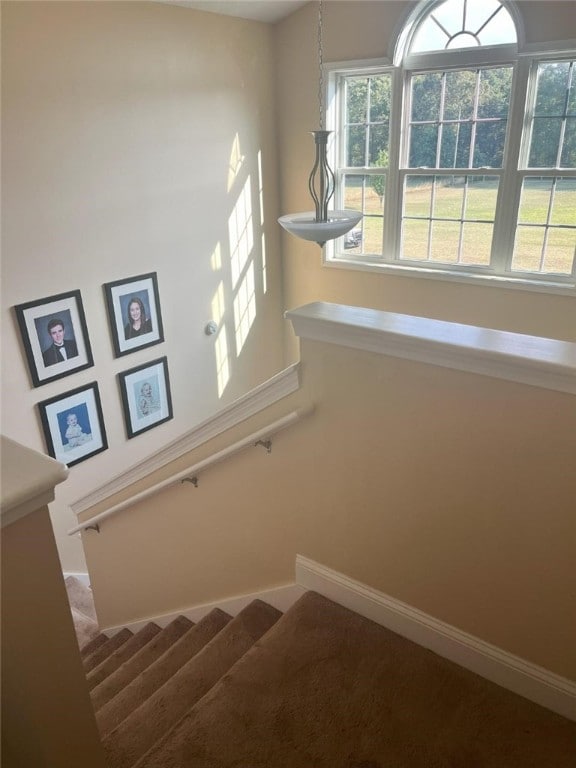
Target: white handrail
<point>267,431</point>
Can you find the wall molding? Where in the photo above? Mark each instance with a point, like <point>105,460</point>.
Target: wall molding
<point>540,362</point>
<point>281,598</point>
<point>505,669</point>
<point>267,393</point>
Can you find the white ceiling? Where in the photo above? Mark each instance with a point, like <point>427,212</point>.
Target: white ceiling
<point>269,11</point>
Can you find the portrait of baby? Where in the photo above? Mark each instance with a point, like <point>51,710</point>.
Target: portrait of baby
<point>75,428</point>
<point>146,395</point>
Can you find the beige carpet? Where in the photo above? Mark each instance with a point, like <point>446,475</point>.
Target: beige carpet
<point>145,726</point>
<point>80,597</point>
<point>83,611</point>
<point>103,651</point>
<point>126,651</point>
<point>131,668</point>
<point>93,645</point>
<point>325,688</point>
<point>152,678</point>
<point>86,629</point>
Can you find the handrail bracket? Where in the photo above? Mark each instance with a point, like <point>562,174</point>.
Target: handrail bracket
<point>265,444</point>
<point>94,527</point>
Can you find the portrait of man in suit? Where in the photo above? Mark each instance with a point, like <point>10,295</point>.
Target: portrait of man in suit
<point>61,348</point>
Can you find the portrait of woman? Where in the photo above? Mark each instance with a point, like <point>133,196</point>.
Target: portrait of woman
<point>137,322</point>
<point>134,313</point>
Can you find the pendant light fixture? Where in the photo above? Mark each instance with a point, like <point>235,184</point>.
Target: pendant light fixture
<point>320,225</point>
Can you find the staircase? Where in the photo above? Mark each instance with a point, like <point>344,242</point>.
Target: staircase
<point>317,687</point>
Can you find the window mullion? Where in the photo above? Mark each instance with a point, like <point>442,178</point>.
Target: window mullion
<point>462,215</point>
<point>510,186</point>
<point>367,123</point>
<point>547,225</point>
<point>393,205</point>
<point>474,121</point>
<point>441,119</point>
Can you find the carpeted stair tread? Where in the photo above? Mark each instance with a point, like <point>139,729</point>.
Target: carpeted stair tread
<point>152,678</point>
<point>80,597</point>
<point>157,715</point>
<point>326,687</point>
<point>125,652</point>
<point>93,645</point>
<point>103,651</point>
<point>86,629</point>
<point>130,669</point>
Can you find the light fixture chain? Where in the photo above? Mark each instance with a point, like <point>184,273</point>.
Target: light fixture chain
<point>319,226</point>
<point>320,67</point>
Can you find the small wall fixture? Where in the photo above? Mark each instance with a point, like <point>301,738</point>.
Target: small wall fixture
<point>320,225</point>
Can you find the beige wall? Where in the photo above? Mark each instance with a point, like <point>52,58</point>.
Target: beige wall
<point>449,491</point>
<point>363,30</point>
<point>47,717</point>
<point>129,132</point>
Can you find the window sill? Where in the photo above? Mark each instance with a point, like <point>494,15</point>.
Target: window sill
<point>446,275</point>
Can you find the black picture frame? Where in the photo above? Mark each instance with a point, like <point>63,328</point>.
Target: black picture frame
<point>73,424</point>
<point>139,292</point>
<point>146,397</point>
<point>48,326</point>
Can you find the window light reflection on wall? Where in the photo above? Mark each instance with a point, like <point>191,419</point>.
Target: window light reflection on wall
<point>240,231</point>
<point>244,308</point>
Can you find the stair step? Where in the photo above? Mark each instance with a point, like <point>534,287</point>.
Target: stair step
<point>129,741</point>
<point>326,687</point>
<point>103,651</point>
<point>86,629</point>
<point>130,669</point>
<point>124,653</point>
<point>80,597</point>
<point>152,678</point>
<point>96,642</point>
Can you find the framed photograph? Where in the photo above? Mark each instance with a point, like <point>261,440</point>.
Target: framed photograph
<point>73,425</point>
<point>55,336</point>
<point>146,396</point>
<point>134,313</point>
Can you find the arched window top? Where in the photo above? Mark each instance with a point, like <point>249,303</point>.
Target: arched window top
<point>453,25</point>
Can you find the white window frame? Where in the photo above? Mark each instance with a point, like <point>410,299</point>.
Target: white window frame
<point>512,173</point>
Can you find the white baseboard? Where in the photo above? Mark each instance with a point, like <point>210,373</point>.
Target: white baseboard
<point>281,598</point>
<point>83,577</point>
<point>511,672</point>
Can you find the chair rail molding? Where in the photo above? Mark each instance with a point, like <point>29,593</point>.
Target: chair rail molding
<point>269,392</point>
<point>540,362</point>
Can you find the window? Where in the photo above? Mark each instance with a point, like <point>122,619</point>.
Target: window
<point>462,154</point>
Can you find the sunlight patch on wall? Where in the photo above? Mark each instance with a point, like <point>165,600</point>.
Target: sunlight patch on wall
<point>260,187</point>
<point>222,361</point>
<point>261,198</point>
<point>264,281</point>
<point>216,258</point>
<point>244,308</point>
<point>218,305</point>
<point>236,162</point>
<point>240,231</point>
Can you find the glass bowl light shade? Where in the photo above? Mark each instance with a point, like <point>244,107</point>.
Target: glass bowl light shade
<point>306,226</point>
